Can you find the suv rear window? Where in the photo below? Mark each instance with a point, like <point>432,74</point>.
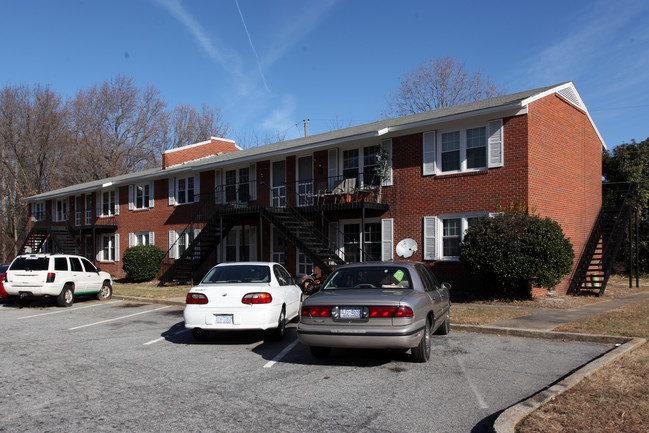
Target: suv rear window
<point>30,264</point>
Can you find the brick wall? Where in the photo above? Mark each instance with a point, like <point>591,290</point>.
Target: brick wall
<point>565,177</point>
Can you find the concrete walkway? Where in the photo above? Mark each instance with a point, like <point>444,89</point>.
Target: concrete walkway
<point>546,319</point>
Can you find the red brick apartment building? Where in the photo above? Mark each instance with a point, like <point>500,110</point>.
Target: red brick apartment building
<point>318,200</point>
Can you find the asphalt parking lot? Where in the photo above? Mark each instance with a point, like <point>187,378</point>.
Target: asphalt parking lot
<point>117,366</point>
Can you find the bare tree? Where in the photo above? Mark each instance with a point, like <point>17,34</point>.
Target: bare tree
<point>185,125</point>
<point>32,129</point>
<point>252,139</point>
<point>438,83</point>
<point>116,128</point>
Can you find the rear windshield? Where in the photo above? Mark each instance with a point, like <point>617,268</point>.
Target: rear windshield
<point>30,264</point>
<point>238,274</point>
<point>375,277</point>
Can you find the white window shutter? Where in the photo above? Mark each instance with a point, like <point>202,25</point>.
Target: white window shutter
<point>386,145</point>
<point>131,240</point>
<point>332,167</point>
<point>252,236</point>
<point>172,241</point>
<point>387,241</point>
<point>429,139</point>
<point>151,197</point>
<point>495,131</point>
<point>197,187</point>
<point>253,181</point>
<point>116,201</point>
<point>151,238</point>
<point>430,229</point>
<point>218,187</point>
<point>117,259</point>
<point>130,197</point>
<point>172,198</point>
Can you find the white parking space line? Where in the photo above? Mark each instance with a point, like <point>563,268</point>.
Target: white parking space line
<point>163,338</point>
<point>118,318</point>
<point>481,402</point>
<point>65,310</point>
<point>281,355</point>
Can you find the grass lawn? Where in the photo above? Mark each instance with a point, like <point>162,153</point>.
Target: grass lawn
<point>150,289</point>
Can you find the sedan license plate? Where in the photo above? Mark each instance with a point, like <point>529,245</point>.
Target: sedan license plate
<point>350,312</point>
<point>225,319</point>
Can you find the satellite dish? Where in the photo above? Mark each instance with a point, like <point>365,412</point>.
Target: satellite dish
<point>406,248</point>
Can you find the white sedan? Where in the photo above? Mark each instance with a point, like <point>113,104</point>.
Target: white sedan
<point>243,296</point>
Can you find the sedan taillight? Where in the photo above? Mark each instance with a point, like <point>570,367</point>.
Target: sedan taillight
<point>404,312</point>
<point>196,298</point>
<point>257,298</point>
<point>391,312</point>
<point>316,312</point>
<point>50,277</point>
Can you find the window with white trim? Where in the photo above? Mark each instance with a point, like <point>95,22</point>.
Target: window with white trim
<point>355,249</point>
<point>365,171</point>
<point>141,196</point>
<point>109,248</point>
<point>38,211</point>
<point>460,150</point>
<point>185,190</point>
<point>452,229</point>
<point>141,238</point>
<point>109,203</point>
<point>62,210</point>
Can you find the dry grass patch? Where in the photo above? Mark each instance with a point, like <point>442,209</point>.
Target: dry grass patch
<point>613,399</point>
<point>629,321</point>
<point>149,289</point>
<point>467,315</point>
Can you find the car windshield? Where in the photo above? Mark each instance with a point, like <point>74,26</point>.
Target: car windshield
<point>374,277</point>
<point>30,264</point>
<point>238,274</point>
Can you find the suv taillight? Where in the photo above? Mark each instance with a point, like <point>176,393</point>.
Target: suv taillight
<point>196,298</point>
<point>50,277</point>
<point>257,298</point>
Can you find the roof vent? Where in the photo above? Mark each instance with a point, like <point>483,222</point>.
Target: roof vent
<point>571,96</point>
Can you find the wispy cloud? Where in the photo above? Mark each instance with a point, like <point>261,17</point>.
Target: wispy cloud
<point>243,21</point>
<point>217,51</point>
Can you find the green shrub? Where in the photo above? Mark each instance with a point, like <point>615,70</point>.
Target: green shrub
<point>142,262</point>
<point>514,252</point>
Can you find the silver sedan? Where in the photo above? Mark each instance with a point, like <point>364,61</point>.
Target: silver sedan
<point>390,305</point>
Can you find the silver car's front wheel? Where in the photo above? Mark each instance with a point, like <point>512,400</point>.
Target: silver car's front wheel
<point>421,352</point>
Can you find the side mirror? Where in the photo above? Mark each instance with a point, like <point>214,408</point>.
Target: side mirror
<point>446,286</point>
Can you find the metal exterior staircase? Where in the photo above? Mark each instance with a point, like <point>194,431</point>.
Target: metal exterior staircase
<point>61,240</point>
<point>304,235</point>
<point>598,258</point>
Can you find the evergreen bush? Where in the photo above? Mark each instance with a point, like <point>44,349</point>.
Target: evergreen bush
<point>142,262</point>
<point>514,252</point>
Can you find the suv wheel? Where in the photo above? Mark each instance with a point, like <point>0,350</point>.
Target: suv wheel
<point>106,292</point>
<point>66,297</point>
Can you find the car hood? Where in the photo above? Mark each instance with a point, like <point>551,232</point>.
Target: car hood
<point>360,297</point>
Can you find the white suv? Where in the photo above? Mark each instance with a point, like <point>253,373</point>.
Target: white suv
<point>62,276</point>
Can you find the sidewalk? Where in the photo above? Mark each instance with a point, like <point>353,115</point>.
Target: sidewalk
<point>546,319</point>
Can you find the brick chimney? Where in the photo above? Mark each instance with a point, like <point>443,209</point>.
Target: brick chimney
<point>192,152</point>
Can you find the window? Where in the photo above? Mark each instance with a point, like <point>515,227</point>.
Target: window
<point>185,190</point>
<point>141,238</point>
<point>452,229</point>
<point>38,211</point>
<point>75,264</point>
<point>60,264</point>
<point>88,266</point>
<point>109,248</point>
<point>461,150</point>
<point>371,165</point>
<point>355,250</point>
<point>350,164</point>
<point>109,203</point>
<point>62,210</point>
<point>476,148</point>
<point>240,245</point>
<point>140,196</point>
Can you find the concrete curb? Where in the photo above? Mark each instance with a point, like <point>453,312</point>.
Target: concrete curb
<point>511,417</point>
<point>172,302</point>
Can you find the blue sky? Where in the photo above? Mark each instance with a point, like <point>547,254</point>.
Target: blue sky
<point>268,65</point>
